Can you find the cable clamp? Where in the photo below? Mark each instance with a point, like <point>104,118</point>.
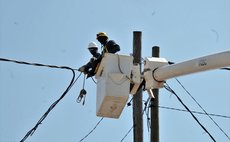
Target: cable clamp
<point>81,96</point>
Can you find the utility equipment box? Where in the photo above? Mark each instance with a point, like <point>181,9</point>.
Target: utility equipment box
<point>151,64</point>
<point>113,84</point>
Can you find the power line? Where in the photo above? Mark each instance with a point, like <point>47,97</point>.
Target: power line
<point>203,109</point>
<point>127,133</point>
<point>144,110</point>
<point>31,132</point>
<point>92,129</point>
<point>37,64</point>
<point>169,108</point>
<point>167,87</point>
<point>197,112</point>
<point>225,68</point>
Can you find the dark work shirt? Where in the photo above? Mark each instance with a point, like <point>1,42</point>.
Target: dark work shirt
<point>91,65</point>
<point>110,47</point>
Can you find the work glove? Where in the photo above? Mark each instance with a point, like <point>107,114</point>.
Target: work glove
<point>81,69</point>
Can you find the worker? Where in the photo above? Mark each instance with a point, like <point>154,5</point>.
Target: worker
<point>108,46</point>
<point>90,67</point>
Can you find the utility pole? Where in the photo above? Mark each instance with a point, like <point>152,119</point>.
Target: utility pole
<point>137,98</point>
<point>154,103</point>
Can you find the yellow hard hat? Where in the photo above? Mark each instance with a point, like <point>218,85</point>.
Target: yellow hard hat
<point>101,34</point>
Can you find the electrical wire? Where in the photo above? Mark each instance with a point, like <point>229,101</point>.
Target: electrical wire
<point>146,110</point>
<point>31,132</point>
<point>76,79</point>
<point>146,104</point>
<point>92,130</point>
<point>197,112</point>
<point>102,118</point>
<point>203,109</point>
<point>127,133</point>
<point>129,103</point>
<point>169,108</point>
<point>93,80</point>
<point>225,69</point>
<point>36,64</point>
<point>167,87</point>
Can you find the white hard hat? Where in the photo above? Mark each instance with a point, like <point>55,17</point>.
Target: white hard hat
<point>92,45</point>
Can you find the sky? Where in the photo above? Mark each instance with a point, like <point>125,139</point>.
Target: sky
<point>57,32</point>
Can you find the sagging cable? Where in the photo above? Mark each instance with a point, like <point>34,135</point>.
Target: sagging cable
<point>168,88</point>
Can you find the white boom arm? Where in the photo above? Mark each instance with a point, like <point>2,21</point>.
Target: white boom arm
<point>214,61</point>
<point>160,71</point>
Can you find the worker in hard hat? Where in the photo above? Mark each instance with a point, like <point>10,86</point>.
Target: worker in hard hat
<point>90,67</point>
<point>108,46</point>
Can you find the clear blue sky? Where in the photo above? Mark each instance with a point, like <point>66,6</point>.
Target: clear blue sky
<point>58,32</point>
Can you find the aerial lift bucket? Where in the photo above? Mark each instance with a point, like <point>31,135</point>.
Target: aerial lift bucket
<point>113,84</point>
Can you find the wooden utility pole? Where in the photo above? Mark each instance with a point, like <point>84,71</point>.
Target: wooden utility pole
<point>154,134</point>
<point>137,98</point>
